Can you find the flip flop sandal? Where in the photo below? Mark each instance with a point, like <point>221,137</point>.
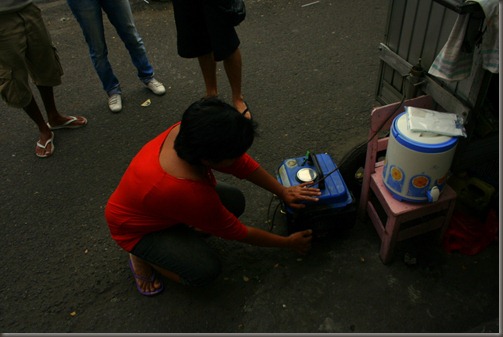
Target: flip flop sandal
<point>150,279</point>
<point>246,110</point>
<point>68,124</point>
<point>49,141</point>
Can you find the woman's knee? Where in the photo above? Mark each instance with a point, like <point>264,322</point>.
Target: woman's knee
<point>204,273</point>
<point>232,198</point>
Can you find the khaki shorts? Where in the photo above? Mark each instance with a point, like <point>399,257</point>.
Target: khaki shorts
<point>26,51</point>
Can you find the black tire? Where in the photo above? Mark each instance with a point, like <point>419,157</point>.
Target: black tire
<point>350,163</point>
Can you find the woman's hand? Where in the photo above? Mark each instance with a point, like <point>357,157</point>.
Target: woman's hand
<point>294,196</point>
<point>301,241</point>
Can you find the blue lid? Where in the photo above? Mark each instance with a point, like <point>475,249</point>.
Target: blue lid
<point>420,141</point>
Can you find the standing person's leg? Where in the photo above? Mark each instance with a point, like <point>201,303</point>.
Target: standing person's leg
<point>14,86</point>
<point>233,70</point>
<point>209,70</point>
<point>90,18</point>
<point>45,146</point>
<point>55,119</point>
<point>45,69</point>
<point>193,40</point>
<point>120,15</point>
<point>225,45</point>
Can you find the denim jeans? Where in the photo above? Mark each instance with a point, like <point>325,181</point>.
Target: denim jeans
<point>185,252</point>
<point>90,17</point>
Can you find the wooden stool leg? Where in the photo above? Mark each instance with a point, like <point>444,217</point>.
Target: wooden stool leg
<point>389,239</point>
<point>447,220</point>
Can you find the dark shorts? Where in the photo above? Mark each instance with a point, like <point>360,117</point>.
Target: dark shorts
<point>201,30</point>
<point>184,251</point>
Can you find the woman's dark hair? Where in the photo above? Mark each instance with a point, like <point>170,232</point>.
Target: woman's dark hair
<point>213,130</point>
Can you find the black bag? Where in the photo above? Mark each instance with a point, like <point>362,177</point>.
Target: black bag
<point>233,11</point>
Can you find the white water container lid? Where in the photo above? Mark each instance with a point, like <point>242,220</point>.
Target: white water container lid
<point>420,141</point>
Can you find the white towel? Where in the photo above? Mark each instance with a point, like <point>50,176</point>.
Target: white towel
<point>489,48</point>
<point>452,63</point>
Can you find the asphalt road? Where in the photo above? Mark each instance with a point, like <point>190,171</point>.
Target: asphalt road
<point>310,74</point>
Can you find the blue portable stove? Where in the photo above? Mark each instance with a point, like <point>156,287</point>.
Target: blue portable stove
<point>334,211</point>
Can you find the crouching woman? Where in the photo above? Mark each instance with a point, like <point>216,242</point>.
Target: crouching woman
<point>169,196</point>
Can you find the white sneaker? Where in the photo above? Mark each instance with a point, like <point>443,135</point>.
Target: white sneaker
<point>156,87</point>
<point>115,103</point>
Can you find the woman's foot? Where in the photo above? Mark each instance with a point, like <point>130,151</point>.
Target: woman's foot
<point>145,277</point>
<point>67,122</point>
<point>45,145</point>
<point>242,107</point>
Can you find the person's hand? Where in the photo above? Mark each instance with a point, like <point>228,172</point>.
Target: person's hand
<point>293,196</point>
<point>301,241</point>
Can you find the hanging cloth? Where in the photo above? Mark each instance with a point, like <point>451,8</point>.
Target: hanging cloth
<point>489,47</point>
<point>453,63</point>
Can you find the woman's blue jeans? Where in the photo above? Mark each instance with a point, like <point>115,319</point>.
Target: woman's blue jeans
<point>90,18</point>
<point>183,251</point>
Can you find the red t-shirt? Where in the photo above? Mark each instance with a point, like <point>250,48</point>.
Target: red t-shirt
<point>148,199</point>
